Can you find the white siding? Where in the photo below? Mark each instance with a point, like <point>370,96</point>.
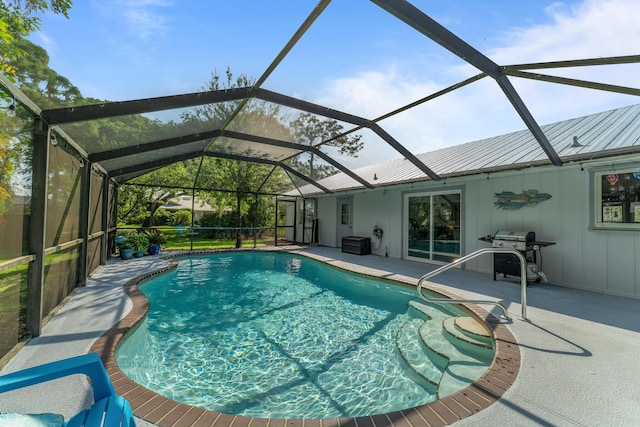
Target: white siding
<point>621,268</point>
<point>327,221</point>
<point>380,208</point>
<point>595,260</point>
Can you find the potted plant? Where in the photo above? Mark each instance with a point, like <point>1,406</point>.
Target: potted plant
<point>125,247</point>
<point>156,239</point>
<point>140,243</point>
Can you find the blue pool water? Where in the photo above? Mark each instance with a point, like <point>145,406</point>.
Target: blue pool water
<point>273,335</point>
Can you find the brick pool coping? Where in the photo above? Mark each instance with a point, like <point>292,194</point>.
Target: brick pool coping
<point>165,412</point>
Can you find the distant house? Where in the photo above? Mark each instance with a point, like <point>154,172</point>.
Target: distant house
<point>589,207</point>
<point>200,207</point>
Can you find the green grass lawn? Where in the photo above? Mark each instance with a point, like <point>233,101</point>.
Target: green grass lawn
<point>13,299</point>
<point>179,239</point>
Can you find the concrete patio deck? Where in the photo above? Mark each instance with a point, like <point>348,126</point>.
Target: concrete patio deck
<point>579,350</point>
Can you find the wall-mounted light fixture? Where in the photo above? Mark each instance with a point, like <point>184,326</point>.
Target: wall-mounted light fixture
<point>53,140</point>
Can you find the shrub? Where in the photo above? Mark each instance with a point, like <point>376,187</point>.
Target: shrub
<point>126,239</point>
<point>155,236</point>
<point>162,217</point>
<point>209,220</point>
<point>140,241</point>
<point>183,216</point>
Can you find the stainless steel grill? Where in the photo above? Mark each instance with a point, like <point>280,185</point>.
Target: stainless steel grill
<point>519,240</point>
<point>523,241</point>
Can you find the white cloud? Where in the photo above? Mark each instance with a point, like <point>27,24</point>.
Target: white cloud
<point>594,28</point>
<point>142,17</point>
<point>591,29</point>
<point>374,93</point>
<point>457,117</point>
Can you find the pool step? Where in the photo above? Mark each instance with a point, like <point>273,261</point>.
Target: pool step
<point>420,364</point>
<point>474,329</point>
<point>458,375</point>
<point>431,310</point>
<point>469,349</point>
<point>420,310</point>
<point>442,349</point>
<point>468,335</point>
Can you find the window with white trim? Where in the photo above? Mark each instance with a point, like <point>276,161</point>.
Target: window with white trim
<point>617,201</point>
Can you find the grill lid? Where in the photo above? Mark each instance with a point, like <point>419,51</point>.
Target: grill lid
<point>517,236</point>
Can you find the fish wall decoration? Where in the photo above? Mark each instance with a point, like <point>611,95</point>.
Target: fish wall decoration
<point>508,200</point>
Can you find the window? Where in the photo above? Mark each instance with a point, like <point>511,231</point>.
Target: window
<point>432,224</point>
<point>309,212</point>
<point>344,214</point>
<point>617,201</point>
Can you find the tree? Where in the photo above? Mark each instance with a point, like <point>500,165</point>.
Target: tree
<point>309,130</point>
<point>255,118</point>
<point>9,131</point>
<point>41,84</point>
<point>138,203</point>
<point>47,89</point>
<point>17,20</point>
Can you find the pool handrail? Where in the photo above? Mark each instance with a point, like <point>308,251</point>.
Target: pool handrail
<point>459,261</point>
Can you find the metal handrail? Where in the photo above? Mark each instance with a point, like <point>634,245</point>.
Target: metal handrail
<point>523,281</point>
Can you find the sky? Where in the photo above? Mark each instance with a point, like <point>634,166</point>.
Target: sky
<point>356,57</point>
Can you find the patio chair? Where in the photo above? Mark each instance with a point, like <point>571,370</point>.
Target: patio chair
<point>108,409</point>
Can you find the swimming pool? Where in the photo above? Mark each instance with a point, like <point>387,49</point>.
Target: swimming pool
<point>280,336</point>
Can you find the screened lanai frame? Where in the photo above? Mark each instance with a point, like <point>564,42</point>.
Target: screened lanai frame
<point>96,170</point>
<point>121,159</point>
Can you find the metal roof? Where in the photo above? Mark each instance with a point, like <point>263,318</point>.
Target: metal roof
<point>614,132</point>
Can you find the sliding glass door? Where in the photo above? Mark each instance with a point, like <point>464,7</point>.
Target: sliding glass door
<point>432,226</point>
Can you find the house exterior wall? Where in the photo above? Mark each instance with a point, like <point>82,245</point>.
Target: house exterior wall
<point>584,258</point>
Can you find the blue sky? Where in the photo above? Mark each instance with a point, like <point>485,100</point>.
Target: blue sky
<point>356,57</point>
